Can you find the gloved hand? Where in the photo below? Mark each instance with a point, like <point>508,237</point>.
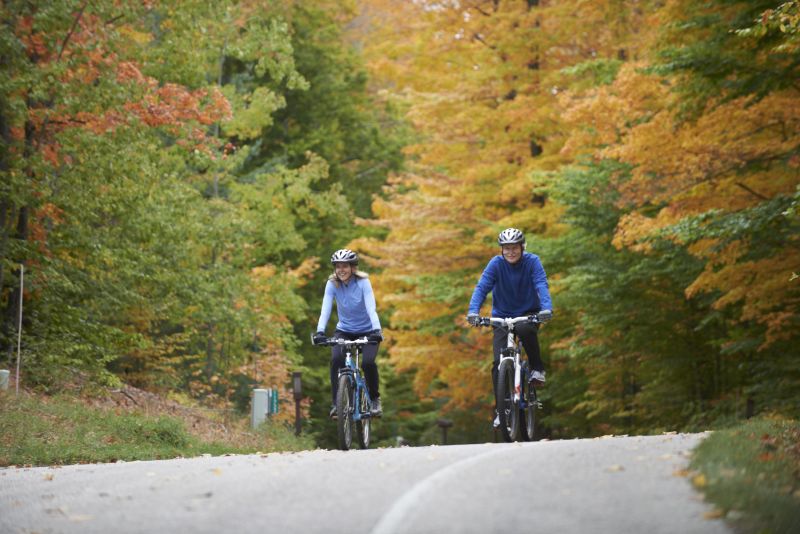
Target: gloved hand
<point>545,315</point>
<point>375,336</point>
<point>318,338</point>
<point>472,319</point>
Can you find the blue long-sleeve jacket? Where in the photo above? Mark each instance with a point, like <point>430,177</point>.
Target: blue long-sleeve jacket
<point>355,304</point>
<point>516,289</point>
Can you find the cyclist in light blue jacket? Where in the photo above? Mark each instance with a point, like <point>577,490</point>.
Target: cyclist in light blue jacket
<point>519,287</point>
<point>355,305</point>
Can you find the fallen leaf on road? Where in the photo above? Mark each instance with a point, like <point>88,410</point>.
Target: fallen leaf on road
<point>48,477</point>
<point>80,518</point>
<point>714,514</point>
<point>614,468</point>
<point>699,480</point>
<point>217,471</point>
<point>681,473</point>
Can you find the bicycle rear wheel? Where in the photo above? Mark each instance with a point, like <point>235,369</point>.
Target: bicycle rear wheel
<point>344,412</point>
<point>363,424</point>
<point>528,421</point>
<point>507,409</point>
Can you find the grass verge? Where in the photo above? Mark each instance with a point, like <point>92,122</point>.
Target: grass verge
<point>752,475</point>
<point>64,430</point>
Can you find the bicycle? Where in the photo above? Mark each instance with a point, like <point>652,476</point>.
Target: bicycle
<point>515,394</point>
<point>352,398</point>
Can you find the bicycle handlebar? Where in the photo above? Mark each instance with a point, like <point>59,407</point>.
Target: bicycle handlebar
<point>341,341</point>
<point>507,322</point>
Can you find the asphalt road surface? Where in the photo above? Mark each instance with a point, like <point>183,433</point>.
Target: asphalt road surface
<point>614,484</point>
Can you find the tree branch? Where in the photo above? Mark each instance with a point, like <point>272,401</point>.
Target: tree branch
<point>754,193</point>
<point>71,30</point>
<point>478,37</point>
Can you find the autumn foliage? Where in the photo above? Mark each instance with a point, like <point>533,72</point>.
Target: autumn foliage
<point>650,152</point>
<point>172,173</point>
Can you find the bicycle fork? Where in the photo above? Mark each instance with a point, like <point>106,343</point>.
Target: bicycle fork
<point>513,352</point>
<point>358,391</point>
<point>517,368</point>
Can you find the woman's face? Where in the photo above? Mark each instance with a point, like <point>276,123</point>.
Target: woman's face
<point>343,271</point>
<point>512,253</point>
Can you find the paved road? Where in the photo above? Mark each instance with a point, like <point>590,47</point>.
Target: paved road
<point>615,485</point>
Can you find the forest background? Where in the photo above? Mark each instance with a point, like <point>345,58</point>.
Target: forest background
<point>175,176</point>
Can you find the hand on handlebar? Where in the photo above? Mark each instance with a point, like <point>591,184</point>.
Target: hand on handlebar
<point>375,336</point>
<point>545,315</point>
<point>473,319</point>
<point>318,338</point>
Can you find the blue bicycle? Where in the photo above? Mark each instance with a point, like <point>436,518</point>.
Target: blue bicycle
<point>516,400</point>
<point>352,398</point>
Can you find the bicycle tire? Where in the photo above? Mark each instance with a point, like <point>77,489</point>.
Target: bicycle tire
<point>528,423</point>
<point>344,413</point>
<point>363,424</point>
<point>507,409</point>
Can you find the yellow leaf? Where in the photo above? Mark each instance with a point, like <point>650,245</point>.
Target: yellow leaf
<point>699,481</point>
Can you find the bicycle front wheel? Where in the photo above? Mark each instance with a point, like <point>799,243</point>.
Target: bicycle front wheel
<point>344,412</point>
<point>507,409</point>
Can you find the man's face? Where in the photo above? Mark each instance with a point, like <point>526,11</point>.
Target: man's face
<point>512,253</point>
<point>343,271</point>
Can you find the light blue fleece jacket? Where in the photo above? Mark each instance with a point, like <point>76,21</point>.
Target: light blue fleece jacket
<point>355,304</point>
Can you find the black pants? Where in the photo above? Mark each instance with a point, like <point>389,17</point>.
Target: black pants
<point>528,334</point>
<point>368,355</point>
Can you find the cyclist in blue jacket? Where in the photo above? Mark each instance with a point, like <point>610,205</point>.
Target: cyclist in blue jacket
<point>355,305</point>
<point>519,287</point>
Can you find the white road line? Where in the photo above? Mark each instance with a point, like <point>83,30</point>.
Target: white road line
<point>410,499</point>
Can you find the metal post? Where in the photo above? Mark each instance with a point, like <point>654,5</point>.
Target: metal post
<point>444,424</point>
<point>297,388</point>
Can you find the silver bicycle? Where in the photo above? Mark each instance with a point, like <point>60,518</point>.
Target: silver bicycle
<point>516,394</point>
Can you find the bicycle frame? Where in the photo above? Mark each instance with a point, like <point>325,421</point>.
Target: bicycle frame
<point>352,402</point>
<point>352,369</point>
<point>519,395</point>
<point>513,349</point>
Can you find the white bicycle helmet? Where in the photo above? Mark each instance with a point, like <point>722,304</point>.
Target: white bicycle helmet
<point>345,256</point>
<point>511,236</point>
